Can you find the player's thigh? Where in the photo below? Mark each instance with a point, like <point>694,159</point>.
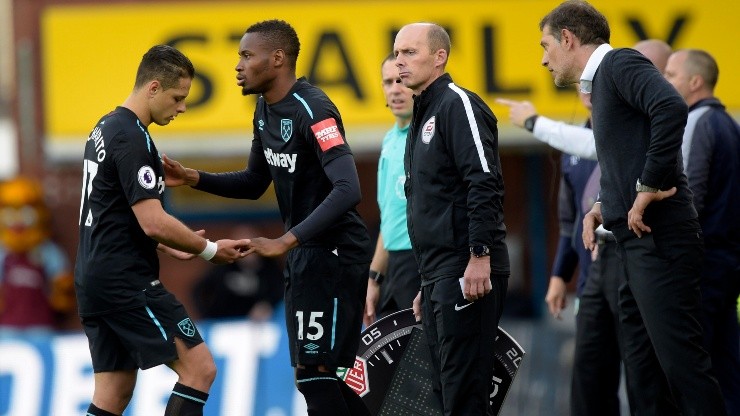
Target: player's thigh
<point>148,332</point>
<point>324,305</point>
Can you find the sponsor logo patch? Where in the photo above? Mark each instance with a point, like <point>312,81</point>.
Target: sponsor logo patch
<point>146,177</point>
<point>286,128</point>
<point>356,377</point>
<point>283,160</point>
<point>427,132</point>
<point>327,134</point>
<point>186,327</point>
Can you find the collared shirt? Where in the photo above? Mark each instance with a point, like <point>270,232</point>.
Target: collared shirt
<point>592,65</point>
<point>391,196</point>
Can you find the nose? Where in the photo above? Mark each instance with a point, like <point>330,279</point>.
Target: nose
<point>182,107</point>
<point>545,59</point>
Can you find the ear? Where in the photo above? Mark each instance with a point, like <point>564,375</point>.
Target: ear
<point>440,58</point>
<point>696,82</point>
<point>153,87</point>
<point>278,57</point>
<point>567,38</point>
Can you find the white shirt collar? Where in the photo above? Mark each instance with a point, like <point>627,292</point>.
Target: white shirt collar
<point>592,65</point>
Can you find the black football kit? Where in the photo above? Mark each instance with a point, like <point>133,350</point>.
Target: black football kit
<point>128,316</point>
<point>299,145</point>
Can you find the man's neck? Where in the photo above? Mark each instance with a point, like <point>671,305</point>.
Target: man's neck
<point>403,122</point>
<point>700,95</point>
<point>280,88</point>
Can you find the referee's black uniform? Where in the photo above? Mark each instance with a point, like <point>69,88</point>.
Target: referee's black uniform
<point>454,192</point>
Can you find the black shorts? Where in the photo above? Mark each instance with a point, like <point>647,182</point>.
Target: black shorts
<point>324,302</point>
<point>142,337</point>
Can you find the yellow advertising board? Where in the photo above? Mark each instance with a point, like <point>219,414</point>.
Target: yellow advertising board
<point>90,54</point>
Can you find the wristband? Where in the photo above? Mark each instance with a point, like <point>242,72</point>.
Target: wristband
<point>377,276</point>
<point>210,251</point>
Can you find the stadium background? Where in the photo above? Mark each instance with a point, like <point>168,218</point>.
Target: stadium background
<point>64,63</point>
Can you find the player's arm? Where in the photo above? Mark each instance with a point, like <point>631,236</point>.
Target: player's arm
<point>345,195</point>
<point>169,231</point>
<point>249,183</point>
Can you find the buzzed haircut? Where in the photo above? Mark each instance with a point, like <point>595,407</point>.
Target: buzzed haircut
<point>438,38</point>
<point>279,34</point>
<point>581,18</point>
<point>164,64</point>
<point>701,63</point>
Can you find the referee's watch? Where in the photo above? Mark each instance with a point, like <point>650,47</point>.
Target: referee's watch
<point>480,251</point>
<point>639,187</point>
<point>377,276</point>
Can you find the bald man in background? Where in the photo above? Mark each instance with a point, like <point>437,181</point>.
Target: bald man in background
<point>711,158</point>
<point>597,356</point>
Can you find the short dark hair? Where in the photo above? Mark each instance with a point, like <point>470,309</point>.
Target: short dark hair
<point>164,64</point>
<point>279,34</point>
<point>581,18</point>
<point>703,64</point>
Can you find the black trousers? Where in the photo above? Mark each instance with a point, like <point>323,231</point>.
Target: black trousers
<point>461,337</point>
<point>668,370</point>
<point>402,283</point>
<point>720,288</point>
<point>597,360</point>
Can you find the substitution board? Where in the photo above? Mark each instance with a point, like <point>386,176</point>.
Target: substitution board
<point>392,370</point>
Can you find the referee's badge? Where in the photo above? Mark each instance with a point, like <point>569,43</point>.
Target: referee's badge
<point>186,327</point>
<point>427,132</point>
<point>286,128</point>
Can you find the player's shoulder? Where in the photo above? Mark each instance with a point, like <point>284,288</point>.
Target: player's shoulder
<point>120,124</point>
<point>311,99</point>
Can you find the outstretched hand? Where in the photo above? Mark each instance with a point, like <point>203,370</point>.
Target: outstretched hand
<point>175,174</point>
<point>230,250</point>
<point>519,110</point>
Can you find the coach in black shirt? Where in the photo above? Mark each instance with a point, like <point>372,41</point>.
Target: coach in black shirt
<point>638,121</point>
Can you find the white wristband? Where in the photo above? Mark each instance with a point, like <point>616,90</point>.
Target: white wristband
<point>210,251</point>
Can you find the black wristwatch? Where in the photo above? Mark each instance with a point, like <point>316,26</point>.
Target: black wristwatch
<point>377,276</point>
<point>479,251</point>
<point>529,123</point>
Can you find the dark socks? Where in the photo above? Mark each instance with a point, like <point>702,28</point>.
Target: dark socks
<point>185,401</point>
<point>322,393</point>
<point>92,410</point>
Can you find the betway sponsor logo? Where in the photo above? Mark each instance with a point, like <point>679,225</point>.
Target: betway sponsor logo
<point>283,160</point>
